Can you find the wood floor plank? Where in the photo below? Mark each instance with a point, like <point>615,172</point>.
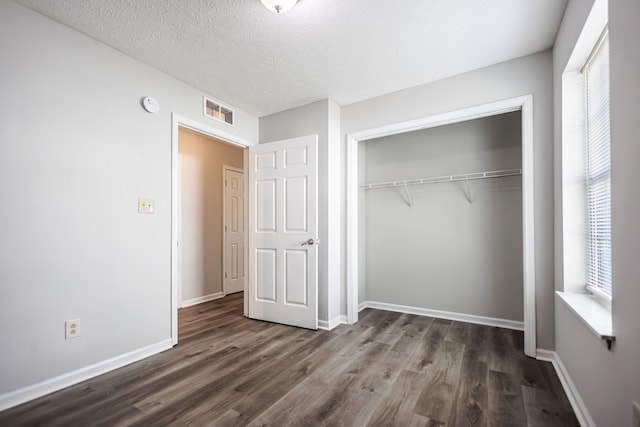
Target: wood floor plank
<point>196,399</point>
<point>459,332</point>
<point>415,325</point>
<point>441,388</point>
<point>344,402</point>
<point>555,387</point>
<point>421,421</point>
<point>387,331</point>
<point>361,341</point>
<point>396,407</point>
<point>506,406</point>
<point>531,373</point>
<point>502,355</point>
<point>286,410</point>
<point>229,418</point>
<point>386,370</point>
<point>542,410</point>
<point>434,337</point>
<point>471,403</point>
<point>389,369</point>
<point>371,317</point>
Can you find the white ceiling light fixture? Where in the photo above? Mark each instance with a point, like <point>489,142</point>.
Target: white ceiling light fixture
<point>278,6</point>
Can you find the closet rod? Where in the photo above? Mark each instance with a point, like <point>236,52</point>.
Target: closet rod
<point>446,178</point>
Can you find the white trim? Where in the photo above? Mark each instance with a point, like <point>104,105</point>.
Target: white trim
<point>352,224</point>
<point>546,355</point>
<point>331,324</point>
<point>40,389</point>
<point>177,122</point>
<point>200,300</point>
<point>523,103</point>
<point>577,404</point>
<point>225,168</point>
<point>592,311</point>
<point>528,221</point>
<point>449,315</point>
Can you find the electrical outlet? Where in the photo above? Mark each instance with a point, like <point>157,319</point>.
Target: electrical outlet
<point>72,329</point>
<point>145,205</point>
<point>636,414</point>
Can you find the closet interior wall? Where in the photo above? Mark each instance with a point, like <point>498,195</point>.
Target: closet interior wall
<point>428,246</point>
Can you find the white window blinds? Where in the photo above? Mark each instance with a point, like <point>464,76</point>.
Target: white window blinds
<point>598,170</point>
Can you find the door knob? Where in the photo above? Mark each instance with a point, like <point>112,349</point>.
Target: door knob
<point>309,242</point>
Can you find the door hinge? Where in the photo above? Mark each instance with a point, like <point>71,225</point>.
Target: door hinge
<point>225,274</point>
<point>225,228</point>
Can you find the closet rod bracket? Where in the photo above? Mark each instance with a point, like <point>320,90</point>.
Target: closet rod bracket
<point>468,189</point>
<point>407,194</point>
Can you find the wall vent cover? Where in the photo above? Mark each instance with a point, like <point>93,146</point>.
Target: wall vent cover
<point>217,111</point>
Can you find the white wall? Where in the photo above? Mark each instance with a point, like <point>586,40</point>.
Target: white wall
<point>76,152</point>
<point>607,381</point>
<point>201,217</point>
<point>442,252</point>
<point>528,75</point>
<point>321,118</point>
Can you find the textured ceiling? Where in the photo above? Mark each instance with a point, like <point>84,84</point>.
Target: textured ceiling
<point>347,50</point>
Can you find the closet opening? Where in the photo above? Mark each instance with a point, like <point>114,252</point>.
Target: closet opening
<point>440,217</point>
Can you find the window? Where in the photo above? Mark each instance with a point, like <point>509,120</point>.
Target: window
<point>598,170</point>
<point>586,178</point>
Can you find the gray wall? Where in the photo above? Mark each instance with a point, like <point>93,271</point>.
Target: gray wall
<point>200,213</point>
<point>444,253</point>
<point>607,381</point>
<point>76,152</point>
<point>527,75</point>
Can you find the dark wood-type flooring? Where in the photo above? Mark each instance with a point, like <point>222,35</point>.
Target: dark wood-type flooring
<point>389,369</point>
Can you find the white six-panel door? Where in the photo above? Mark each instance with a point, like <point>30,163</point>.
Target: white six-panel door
<point>283,229</point>
<point>234,235</point>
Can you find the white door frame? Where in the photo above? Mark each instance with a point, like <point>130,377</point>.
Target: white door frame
<point>177,122</point>
<point>226,168</point>
<point>521,103</point>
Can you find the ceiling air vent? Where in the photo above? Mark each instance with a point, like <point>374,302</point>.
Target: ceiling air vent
<point>217,111</point>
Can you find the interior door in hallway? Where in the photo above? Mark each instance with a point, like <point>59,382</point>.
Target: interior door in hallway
<point>234,232</point>
<point>283,229</point>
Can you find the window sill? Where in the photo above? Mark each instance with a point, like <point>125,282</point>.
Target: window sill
<point>595,314</point>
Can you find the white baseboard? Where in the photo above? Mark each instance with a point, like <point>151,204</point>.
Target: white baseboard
<point>34,391</point>
<point>330,324</point>
<point>200,300</point>
<point>579,408</point>
<point>460,317</point>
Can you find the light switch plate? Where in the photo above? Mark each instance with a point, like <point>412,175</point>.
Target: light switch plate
<point>145,206</point>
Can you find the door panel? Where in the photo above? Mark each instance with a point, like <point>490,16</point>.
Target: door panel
<point>266,199</point>
<point>295,204</point>
<point>295,282</point>
<point>283,228</point>
<point>266,270</point>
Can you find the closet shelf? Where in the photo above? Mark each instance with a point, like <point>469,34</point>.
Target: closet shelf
<point>439,179</point>
<point>446,178</point>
